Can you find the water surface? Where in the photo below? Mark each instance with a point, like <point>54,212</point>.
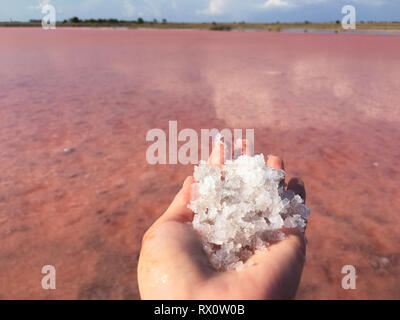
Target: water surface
<point>327,103</point>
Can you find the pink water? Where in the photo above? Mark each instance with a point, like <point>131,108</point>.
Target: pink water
<point>329,104</point>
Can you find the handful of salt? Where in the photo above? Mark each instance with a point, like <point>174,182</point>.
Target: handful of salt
<point>240,207</point>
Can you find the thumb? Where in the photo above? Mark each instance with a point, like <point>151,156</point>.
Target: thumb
<point>178,210</point>
<point>277,271</point>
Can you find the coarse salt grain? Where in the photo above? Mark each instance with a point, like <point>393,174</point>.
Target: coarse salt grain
<point>241,207</point>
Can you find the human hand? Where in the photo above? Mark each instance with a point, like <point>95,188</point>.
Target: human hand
<point>173,265</point>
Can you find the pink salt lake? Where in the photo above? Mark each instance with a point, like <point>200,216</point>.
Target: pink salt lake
<point>329,104</point>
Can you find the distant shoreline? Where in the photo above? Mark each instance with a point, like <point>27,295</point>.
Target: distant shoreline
<point>331,27</point>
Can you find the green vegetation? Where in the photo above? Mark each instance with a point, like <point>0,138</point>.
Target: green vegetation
<point>74,20</point>
<point>334,26</point>
<point>220,27</point>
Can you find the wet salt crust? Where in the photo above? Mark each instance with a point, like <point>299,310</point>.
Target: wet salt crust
<point>241,207</point>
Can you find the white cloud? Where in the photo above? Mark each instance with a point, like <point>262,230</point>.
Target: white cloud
<point>174,4</point>
<point>276,4</point>
<point>375,3</point>
<point>154,9</point>
<point>269,4</point>
<point>215,7</point>
<point>129,9</point>
<point>39,6</point>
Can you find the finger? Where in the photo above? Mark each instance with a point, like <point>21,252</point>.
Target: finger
<point>275,162</point>
<point>293,243</point>
<point>277,271</point>
<point>178,210</point>
<point>243,146</point>
<point>217,156</point>
<point>297,186</point>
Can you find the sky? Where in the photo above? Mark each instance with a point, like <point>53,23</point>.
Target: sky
<point>204,10</point>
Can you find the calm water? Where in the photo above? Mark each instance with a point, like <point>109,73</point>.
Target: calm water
<point>345,32</point>
<point>329,104</point>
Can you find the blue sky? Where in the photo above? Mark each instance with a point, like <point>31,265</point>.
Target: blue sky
<point>204,10</point>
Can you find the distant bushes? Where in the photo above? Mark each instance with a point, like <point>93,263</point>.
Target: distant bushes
<point>305,26</point>
<point>76,20</point>
<point>220,27</point>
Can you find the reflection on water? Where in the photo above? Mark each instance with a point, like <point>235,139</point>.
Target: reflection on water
<point>76,191</point>
<point>308,30</point>
<point>298,30</point>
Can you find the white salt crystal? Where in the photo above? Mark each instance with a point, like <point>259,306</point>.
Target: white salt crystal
<point>241,207</point>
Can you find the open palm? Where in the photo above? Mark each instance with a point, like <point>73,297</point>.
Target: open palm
<point>173,265</point>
